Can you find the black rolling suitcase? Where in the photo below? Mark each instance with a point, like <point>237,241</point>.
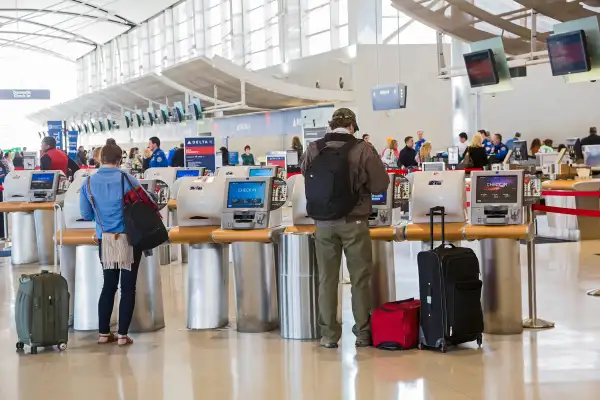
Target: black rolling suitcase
<point>450,290</point>
<point>42,311</point>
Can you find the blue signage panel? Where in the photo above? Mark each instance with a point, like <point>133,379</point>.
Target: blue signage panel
<point>200,152</point>
<point>388,97</point>
<point>55,129</point>
<point>234,158</point>
<point>24,94</point>
<point>285,122</point>
<point>72,136</point>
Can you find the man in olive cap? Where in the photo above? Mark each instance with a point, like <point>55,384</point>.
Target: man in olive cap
<point>341,173</point>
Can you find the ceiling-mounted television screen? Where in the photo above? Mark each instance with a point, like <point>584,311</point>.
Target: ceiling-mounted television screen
<point>568,53</point>
<point>481,68</point>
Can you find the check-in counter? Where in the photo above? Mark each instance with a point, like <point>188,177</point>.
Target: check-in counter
<point>29,198</point>
<point>199,210</point>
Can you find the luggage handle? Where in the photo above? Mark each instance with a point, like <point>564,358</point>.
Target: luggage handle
<point>433,211</point>
<point>395,302</point>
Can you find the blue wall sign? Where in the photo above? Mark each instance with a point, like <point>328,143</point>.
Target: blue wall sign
<point>55,129</point>
<point>388,97</point>
<point>285,122</point>
<point>200,152</point>
<point>72,136</point>
<point>24,94</point>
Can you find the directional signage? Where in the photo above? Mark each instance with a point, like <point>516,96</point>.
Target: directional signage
<point>24,94</point>
<point>200,152</point>
<point>55,129</point>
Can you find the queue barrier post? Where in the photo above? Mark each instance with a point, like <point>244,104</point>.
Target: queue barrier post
<point>533,322</point>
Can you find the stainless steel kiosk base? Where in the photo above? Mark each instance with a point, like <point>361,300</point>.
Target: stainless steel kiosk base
<point>24,249</point>
<point>384,272</point>
<point>148,314</point>
<point>501,272</point>
<point>67,270</point>
<point>208,286</point>
<point>164,252</point>
<point>185,248</point>
<point>298,287</point>
<point>44,232</point>
<point>255,286</point>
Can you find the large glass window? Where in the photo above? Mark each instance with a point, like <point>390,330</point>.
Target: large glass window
<point>343,12</point>
<point>256,18</point>
<point>319,43</point>
<point>319,19</point>
<point>258,41</point>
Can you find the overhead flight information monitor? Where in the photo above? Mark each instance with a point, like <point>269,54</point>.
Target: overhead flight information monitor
<point>497,197</point>
<point>247,203</point>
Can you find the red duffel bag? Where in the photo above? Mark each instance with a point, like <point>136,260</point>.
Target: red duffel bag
<point>395,325</point>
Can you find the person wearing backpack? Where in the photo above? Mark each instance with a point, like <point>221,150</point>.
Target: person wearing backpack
<point>341,172</point>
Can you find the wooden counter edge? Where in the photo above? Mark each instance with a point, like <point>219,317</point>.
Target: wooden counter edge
<point>192,234</point>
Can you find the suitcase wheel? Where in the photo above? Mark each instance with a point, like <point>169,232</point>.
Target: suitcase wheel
<point>20,345</point>
<point>62,346</point>
<point>479,340</point>
<point>34,350</point>
<point>420,346</point>
<point>443,346</point>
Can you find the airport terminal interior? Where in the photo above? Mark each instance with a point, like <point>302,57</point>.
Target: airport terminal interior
<point>190,155</point>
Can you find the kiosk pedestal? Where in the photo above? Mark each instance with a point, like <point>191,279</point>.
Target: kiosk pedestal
<point>207,276</point>
<point>255,277</point>
<point>88,286</point>
<point>23,236</point>
<point>148,314</point>
<point>67,270</point>
<point>298,285</point>
<point>384,272</point>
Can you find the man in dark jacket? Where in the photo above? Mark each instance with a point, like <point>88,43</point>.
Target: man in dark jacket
<point>349,234</point>
<point>592,139</point>
<point>178,159</point>
<point>408,155</point>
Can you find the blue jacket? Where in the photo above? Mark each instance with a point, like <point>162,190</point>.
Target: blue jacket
<point>509,143</point>
<point>159,159</point>
<point>499,151</point>
<point>419,143</point>
<point>108,197</point>
<point>170,156</point>
<point>487,145</point>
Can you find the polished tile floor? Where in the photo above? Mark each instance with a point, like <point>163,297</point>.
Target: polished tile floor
<point>562,363</point>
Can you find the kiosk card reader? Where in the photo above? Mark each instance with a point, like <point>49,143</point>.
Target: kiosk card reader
<point>16,186</point>
<point>247,204</point>
<point>266,171</point>
<point>383,205</point>
<point>497,197</point>
<point>44,186</point>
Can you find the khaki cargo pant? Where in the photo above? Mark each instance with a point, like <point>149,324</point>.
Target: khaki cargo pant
<point>354,239</point>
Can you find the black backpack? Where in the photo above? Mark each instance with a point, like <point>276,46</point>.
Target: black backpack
<point>328,182</point>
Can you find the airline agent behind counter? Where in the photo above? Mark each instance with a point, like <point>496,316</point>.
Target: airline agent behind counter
<point>56,160</point>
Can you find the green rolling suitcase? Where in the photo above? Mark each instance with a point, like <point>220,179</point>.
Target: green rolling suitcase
<point>42,311</point>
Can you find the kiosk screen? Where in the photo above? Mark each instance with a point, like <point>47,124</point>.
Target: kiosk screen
<point>42,182</point>
<point>497,189</point>
<point>187,172</point>
<point>379,199</point>
<point>246,195</point>
<point>261,172</point>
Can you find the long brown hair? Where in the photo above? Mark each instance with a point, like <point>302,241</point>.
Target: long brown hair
<point>535,146</point>
<point>296,142</point>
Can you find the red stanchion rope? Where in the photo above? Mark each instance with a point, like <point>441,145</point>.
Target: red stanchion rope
<point>567,211</point>
<point>569,193</point>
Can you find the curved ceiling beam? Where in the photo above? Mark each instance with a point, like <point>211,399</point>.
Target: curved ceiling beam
<point>22,21</point>
<point>86,4</point>
<point>31,47</point>
<point>66,39</point>
<point>67,13</point>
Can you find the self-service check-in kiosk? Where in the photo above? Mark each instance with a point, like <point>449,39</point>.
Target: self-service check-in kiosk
<point>199,212</point>
<point>233,171</point>
<point>497,197</point>
<point>80,265</point>
<point>265,171</point>
<point>30,197</point>
<point>251,222</point>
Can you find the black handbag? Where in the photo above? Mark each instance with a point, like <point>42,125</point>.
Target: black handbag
<point>144,227</point>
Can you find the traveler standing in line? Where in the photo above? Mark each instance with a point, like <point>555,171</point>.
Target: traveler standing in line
<point>96,157</point>
<point>535,146</point>
<point>54,159</point>
<point>340,173</point>
<point>81,157</point>
<point>178,159</point>
<point>367,138</point>
<point>18,161</point>
<point>408,155</point>
<point>297,145</point>
<point>159,159</point>
<point>247,157</point>
<point>224,156</point>
<point>593,137</point>
<point>547,147</point>
<point>477,156</point>
<point>463,140</point>
<point>424,154</point>
<point>420,142</point>
<point>101,200</point>
<point>509,142</point>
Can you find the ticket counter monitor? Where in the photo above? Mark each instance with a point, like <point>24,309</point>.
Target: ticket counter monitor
<point>199,212</point>
<point>497,198</point>
<point>252,225</point>
<point>261,172</point>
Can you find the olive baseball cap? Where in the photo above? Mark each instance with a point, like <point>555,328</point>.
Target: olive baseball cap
<point>345,113</point>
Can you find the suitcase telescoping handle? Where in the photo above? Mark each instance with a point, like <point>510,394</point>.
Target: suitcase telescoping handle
<point>433,211</point>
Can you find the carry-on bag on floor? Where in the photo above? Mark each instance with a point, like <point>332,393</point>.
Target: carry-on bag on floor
<point>395,325</point>
<point>450,291</point>
<point>42,311</point>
